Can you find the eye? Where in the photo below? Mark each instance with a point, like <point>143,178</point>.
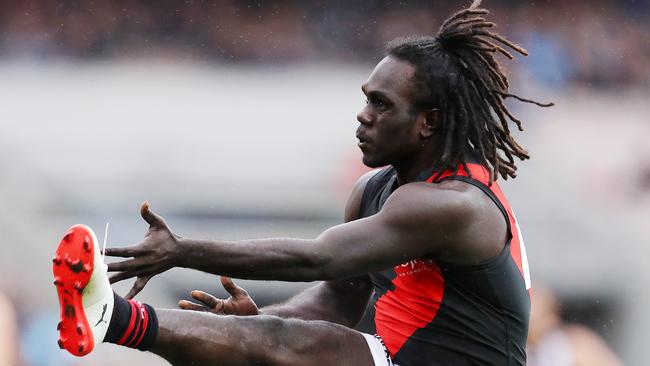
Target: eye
<point>380,104</point>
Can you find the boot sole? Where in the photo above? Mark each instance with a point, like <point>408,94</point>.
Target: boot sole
<point>72,267</point>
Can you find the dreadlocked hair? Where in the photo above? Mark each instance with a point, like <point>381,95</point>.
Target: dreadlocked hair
<point>457,73</point>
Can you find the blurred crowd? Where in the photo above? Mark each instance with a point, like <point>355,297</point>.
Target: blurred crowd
<point>601,43</point>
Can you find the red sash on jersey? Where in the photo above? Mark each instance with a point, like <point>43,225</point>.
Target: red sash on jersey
<point>420,284</point>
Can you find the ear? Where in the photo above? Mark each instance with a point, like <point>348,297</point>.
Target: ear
<point>430,120</point>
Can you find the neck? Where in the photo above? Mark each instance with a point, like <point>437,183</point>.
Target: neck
<point>409,170</point>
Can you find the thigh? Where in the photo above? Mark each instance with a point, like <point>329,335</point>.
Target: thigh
<point>323,343</point>
<point>199,338</point>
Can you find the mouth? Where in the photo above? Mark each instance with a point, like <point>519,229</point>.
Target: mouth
<point>362,142</point>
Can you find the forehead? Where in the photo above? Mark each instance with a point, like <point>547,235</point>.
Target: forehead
<point>391,76</point>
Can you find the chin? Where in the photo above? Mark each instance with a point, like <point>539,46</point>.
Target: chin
<point>373,163</point>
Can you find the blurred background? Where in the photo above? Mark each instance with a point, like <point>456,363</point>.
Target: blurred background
<point>236,119</point>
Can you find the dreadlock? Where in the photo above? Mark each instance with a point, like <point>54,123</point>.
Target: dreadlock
<point>457,72</point>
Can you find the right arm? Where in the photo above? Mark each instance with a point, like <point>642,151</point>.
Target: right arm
<point>338,301</point>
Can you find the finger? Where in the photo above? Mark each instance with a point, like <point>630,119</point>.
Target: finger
<point>207,299</point>
<point>121,276</point>
<point>131,251</point>
<point>151,218</point>
<point>128,265</point>
<point>231,287</point>
<point>188,305</point>
<point>137,287</point>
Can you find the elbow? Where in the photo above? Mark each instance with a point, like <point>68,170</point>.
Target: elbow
<point>327,273</point>
<point>319,267</point>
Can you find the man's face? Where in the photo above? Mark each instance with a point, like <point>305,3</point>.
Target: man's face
<point>388,133</point>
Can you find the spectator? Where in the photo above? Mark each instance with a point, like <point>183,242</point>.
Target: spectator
<point>552,343</point>
<point>8,333</point>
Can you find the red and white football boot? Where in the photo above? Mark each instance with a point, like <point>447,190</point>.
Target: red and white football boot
<point>85,294</point>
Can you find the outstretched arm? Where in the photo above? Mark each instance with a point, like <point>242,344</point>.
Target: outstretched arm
<point>418,220</point>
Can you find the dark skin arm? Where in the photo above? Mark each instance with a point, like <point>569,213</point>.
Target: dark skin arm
<point>338,301</point>
<point>418,220</point>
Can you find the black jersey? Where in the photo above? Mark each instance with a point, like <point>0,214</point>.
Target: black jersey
<point>433,313</point>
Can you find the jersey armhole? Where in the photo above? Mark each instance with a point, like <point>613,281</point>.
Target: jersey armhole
<point>371,187</point>
<point>489,193</point>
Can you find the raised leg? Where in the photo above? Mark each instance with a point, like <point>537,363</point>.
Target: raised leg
<point>197,338</point>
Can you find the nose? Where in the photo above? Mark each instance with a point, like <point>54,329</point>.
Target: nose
<point>364,117</point>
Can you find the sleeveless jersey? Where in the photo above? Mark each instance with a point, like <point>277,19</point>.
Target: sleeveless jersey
<point>432,313</point>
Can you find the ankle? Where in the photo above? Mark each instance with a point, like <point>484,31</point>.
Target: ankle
<point>133,324</point>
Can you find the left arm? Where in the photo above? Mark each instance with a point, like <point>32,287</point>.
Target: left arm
<point>416,221</point>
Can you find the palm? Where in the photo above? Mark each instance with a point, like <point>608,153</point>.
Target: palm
<point>241,305</point>
<point>239,302</point>
<point>157,253</point>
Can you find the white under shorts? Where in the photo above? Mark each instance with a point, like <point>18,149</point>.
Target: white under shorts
<point>378,350</point>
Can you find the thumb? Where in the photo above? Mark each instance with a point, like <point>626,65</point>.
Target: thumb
<point>151,218</point>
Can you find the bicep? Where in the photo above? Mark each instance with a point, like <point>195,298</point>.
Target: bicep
<point>413,223</point>
<point>362,246</point>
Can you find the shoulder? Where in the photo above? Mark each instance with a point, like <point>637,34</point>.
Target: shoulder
<point>466,224</point>
<point>451,203</point>
<point>450,212</point>
<point>353,205</point>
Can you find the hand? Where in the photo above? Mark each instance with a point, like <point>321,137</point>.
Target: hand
<point>239,302</point>
<point>158,252</point>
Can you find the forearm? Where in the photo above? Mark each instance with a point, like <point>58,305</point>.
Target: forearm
<point>347,250</point>
<point>281,259</point>
<point>305,305</point>
<point>341,301</point>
